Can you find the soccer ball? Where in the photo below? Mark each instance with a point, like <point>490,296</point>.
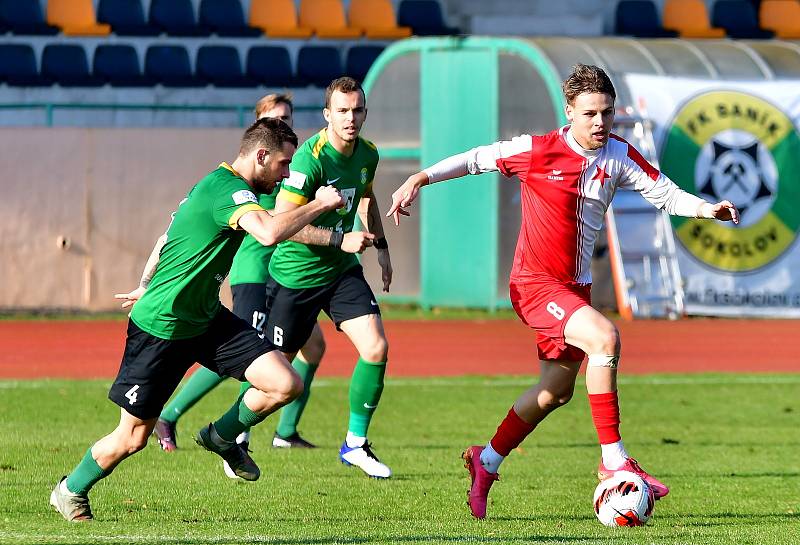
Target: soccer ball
<point>623,500</point>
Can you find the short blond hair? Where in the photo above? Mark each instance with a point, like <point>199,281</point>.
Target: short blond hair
<point>266,103</point>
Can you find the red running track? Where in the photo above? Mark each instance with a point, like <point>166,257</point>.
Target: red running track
<point>81,349</point>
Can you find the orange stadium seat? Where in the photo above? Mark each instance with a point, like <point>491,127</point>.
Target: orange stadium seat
<point>690,19</point>
<point>76,18</point>
<point>782,17</point>
<point>326,18</point>
<point>277,18</point>
<point>376,19</point>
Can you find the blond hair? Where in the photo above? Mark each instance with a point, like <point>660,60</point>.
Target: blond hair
<point>266,103</point>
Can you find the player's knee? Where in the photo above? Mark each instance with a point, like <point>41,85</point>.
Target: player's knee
<point>555,398</point>
<point>606,340</point>
<point>287,388</point>
<point>377,350</point>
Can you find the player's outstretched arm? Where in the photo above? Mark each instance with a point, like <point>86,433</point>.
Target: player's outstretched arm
<point>405,195</point>
<point>128,299</point>
<point>354,242</point>
<point>270,230</point>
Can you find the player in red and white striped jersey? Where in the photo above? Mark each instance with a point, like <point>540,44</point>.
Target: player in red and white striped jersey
<point>568,178</point>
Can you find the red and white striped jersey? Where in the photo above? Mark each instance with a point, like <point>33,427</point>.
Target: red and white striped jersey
<point>566,191</point>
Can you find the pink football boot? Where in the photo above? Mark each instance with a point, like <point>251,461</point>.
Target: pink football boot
<point>482,481</point>
<point>659,489</point>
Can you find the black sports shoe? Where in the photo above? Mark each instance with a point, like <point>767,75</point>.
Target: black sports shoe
<point>237,457</point>
<point>293,441</point>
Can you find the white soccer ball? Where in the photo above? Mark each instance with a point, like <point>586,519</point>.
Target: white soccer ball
<point>623,500</point>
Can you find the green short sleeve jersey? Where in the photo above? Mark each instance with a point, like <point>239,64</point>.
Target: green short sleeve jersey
<point>251,263</point>
<point>317,163</point>
<point>183,296</point>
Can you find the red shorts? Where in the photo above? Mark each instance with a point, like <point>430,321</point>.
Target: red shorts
<point>546,306</point>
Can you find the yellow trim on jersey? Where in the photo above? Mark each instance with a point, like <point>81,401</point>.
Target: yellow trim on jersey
<point>228,167</point>
<point>323,139</point>
<point>233,222</point>
<point>367,142</point>
<point>292,197</point>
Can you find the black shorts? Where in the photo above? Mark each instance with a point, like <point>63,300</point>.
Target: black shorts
<point>152,368</point>
<point>292,313</point>
<point>250,304</point>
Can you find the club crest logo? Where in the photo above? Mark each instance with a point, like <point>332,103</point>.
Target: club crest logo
<point>364,175</point>
<point>735,146</point>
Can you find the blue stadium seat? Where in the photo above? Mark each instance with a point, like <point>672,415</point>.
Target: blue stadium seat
<point>739,19</point>
<point>226,18</point>
<point>18,66</point>
<point>318,65</point>
<point>220,66</point>
<point>270,65</point>
<point>25,17</point>
<point>176,18</point>
<point>360,58</point>
<point>119,66</point>
<point>169,66</point>
<point>67,66</point>
<point>639,18</point>
<point>424,17</point>
<point>126,18</point>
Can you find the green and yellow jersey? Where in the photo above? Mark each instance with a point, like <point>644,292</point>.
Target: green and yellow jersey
<point>316,164</point>
<point>183,296</point>
<point>251,263</point>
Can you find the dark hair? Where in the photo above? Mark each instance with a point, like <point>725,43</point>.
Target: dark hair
<point>268,102</point>
<point>344,84</point>
<point>587,79</point>
<point>267,133</point>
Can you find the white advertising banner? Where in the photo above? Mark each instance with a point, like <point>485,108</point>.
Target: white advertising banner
<point>737,141</point>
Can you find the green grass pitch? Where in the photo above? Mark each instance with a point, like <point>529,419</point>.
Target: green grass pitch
<point>728,445</point>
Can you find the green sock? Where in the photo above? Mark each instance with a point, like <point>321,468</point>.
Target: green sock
<point>366,387</point>
<point>199,384</point>
<point>243,387</point>
<point>85,474</point>
<point>291,413</point>
<point>238,418</point>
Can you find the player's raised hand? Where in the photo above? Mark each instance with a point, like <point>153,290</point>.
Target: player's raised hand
<point>405,195</point>
<point>128,299</point>
<point>723,210</point>
<point>356,242</point>
<point>330,197</point>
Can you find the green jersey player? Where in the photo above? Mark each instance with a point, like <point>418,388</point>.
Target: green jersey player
<point>307,276</point>
<point>179,320</point>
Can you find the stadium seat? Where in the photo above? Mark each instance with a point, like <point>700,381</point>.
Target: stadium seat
<point>270,65</point>
<point>639,18</point>
<point>169,65</point>
<point>782,17</point>
<point>176,18</point>
<point>225,18</point>
<point>18,66</point>
<point>277,19</point>
<point>424,17</point>
<point>326,19</point>
<point>25,18</point>
<point>738,18</point>
<point>318,65</point>
<point>76,18</point>
<point>67,66</point>
<point>689,18</point>
<point>376,19</point>
<point>119,66</point>
<point>126,18</point>
<point>360,58</point>
<point>220,66</point>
